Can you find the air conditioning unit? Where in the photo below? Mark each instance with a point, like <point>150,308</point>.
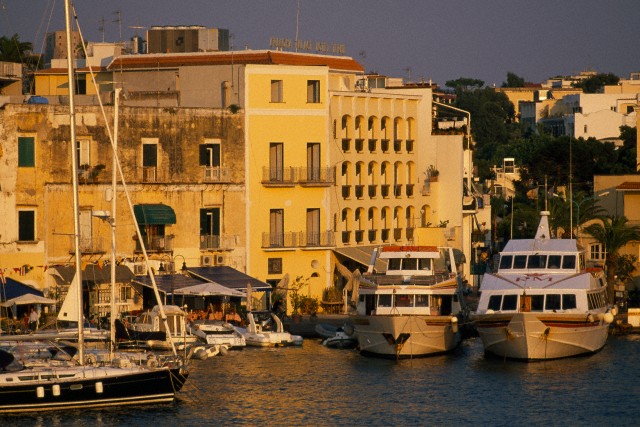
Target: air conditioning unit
<point>139,269</point>
<point>206,260</point>
<point>220,259</point>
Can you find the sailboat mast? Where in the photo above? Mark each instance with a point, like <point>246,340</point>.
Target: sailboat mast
<point>74,180</point>
<point>114,178</point>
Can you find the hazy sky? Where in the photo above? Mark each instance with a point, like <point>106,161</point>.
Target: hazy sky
<point>429,39</point>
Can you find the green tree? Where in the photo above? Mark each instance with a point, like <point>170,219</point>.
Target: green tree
<point>613,233</point>
<point>13,50</point>
<point>465,83</point>
<point>595,83</point>
<point>513,80</point>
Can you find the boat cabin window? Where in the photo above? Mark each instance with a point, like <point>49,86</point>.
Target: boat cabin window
<point>568,301</point>
<point>509,302</point>
<point>554,261</point>
<point>505,261</point>
<point>537,261</point>
<point>404,300</point>
<point>394,264</point>
<point>569,262</point>
<point>424,264</point>
<point>494,302</point>
<point>520,261</point>
<point>422,300</point>
<point>552,302</point>
<point>537,302</point>
<point>384,300</point>
<point>596,300</point>
<point>410,264</point>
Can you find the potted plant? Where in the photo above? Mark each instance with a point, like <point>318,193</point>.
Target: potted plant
<point>433,173</point>
<point>296,296</point>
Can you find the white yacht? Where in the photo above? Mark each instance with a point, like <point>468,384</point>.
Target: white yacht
<point>217,332</point>
<point>265,330</point>
<point>542,303</point>
<point>411,309</point>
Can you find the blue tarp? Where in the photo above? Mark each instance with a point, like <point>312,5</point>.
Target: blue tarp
<point>12,289</point>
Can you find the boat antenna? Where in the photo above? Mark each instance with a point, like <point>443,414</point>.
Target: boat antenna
<point>546,194</point>
<point>74,181</point>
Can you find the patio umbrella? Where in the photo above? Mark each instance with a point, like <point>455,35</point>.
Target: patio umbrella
<point>27,299</point>
<point>209,289</point>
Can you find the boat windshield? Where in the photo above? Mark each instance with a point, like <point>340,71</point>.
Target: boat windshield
<point>537,262</point>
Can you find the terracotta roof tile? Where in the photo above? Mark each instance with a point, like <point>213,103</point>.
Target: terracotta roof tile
<point>628,185</point>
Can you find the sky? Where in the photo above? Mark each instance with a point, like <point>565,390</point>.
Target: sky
<point>435,40</point>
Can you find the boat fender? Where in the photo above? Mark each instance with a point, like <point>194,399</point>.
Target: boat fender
<point>590,318</point>
<point>614,310</point>
<point>608,318</point>
<point>224,349</point>
<point>152,362</point>
<point>454,324</point>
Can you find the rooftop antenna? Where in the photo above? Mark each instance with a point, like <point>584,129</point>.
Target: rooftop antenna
<point>297,21</point>
<point>101,28</point>
<point>119,21</point>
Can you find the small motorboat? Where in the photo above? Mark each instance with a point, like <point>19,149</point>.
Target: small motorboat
<point>217,332</point>
<point>343,337</point>
<point>265,330</point>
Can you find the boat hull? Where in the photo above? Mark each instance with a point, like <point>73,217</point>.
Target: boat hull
<point>90,388</point>
<point>405,336</point>
<point>538,336</point>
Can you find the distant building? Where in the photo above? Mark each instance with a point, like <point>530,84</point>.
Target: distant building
<point>184,39</point>
<point>56,45</point>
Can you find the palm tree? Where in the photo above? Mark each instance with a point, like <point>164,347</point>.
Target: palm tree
<point>613,234</point>
<point>13,50</point>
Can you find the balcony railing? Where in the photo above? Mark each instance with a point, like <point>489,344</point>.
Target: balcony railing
<point>88,245</point>
<point>149,174</point>
<point>316,176</point>
<point>278,176</point>
<point>410,190</point>
<point>397,145</point>
<point>359,145</point>
<point>384,145</point>
<point>359,191</point>
<point>359,234</point>
<point>409,143</point>
<point>280,240</point>
<point>397,234</point>
<point>372,145</point>
<point>372,235</point>
<point>215,174</point>
<point>384,235</point>
<point>409,233</point>
<point>397,190</point>
<point>346,237</point>
<point>156,244</point>
<point>224,242</point>
<point>346,191</point>
<point>317,239</point>
<point>346,144</point>
<point>384,190</point>
<point>372,191</point>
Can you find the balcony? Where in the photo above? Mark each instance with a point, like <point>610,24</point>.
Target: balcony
<point>156,244</point>
<point>397,145</point>
<point>217,242</point>
<point>346,191</point>
<point>397,234</point>
<point>359,191</point>
<point>359,145</point>
<point>384,145</point>
<point>397,190</point>
<point>372,235</point>
<point>317,239</point>
<point>346,144</point>
<point>372,145</point>
<point>372,191</point>
<point>346,237</point>
<point>280,240</point>
<point>384,190</point>
<point>409,143</point>
<point>215,174</point>
<point>88,245</point>
<point>149,174</point>
<point>278,177</point>
<point>385,234</point>
<point>359,234</point>
<point>316,177</point>
<point>409,189</point>
<point>410,233</point>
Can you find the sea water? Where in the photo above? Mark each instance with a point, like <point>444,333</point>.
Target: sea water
<point>318,386</point>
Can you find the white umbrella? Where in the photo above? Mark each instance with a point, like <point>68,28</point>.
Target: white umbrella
<point>27,299</point>
<point>209,289</point>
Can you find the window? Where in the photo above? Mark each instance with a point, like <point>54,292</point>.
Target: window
<point>126,292</point>
<point>554,261</point>
<point>276,161</point>
<point>313,91</point>
<point>537,302</point>
<point>509,302</point>
<point>505,262</point>
<point>404,300</point>
<point>596,252</point>
<point>210,155</point>
<point>552,302</point>
<point>313,161</point>
<point>27,226</point>
<point>276,227</point>
<point>410,264</point>
<point>209,228</point>
<point>84,151</point>
<point>384,300</point>
<point>276,91</point>
<point>537,261</point>
<point>26,152</point>
<point>313,227</point>
<point>394,264</point>
<point>569,262</point>
<point>422,300</point>
<point>495,302</point>
<point>568,301</point>
<point>520,261</point>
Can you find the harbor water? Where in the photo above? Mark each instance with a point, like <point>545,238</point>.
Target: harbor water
<point>314,385</point>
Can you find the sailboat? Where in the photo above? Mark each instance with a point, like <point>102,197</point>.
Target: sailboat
<point>59,386</point>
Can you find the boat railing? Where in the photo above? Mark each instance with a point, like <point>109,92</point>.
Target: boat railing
<point>415,279</point>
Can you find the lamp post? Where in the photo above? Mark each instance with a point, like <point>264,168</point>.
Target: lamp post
<point>578,204</point>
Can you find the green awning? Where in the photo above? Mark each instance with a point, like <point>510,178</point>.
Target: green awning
<point>154,214</point>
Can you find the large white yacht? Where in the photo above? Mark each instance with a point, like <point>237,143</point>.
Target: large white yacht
<point>542,303</point>
<point>411,309</point>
